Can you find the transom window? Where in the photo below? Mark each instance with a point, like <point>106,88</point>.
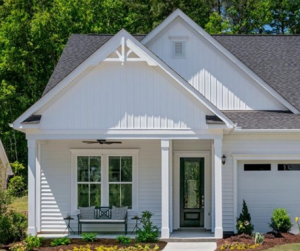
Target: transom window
<point>288,167</point>
<point>104,179</point>
<point>257,167</point>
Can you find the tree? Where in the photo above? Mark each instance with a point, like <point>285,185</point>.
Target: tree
<point>244,221</point>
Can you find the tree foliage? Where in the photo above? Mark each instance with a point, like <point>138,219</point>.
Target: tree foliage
<point>33,34</point>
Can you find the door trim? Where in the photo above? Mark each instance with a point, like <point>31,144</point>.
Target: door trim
<point>176,184</point>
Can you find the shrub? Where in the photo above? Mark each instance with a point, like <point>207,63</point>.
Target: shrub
<point>13,227</point>
<point>149,232</point>
<point>244,225</point>
<point>280,221</point>
<point>238,245</point>
<point>90,237</point>
<point>258,238</point>
<point>19,247</point>
<point>33,242</point>
<point>115,248</point>
<point>123,239</point>
<point>16,186</point>
<point>61,241</point>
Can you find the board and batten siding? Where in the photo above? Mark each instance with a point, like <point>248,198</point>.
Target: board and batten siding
<point>249,144</point>
<point>56,182</point>
<point>211,72</point>
<point>130,96</point>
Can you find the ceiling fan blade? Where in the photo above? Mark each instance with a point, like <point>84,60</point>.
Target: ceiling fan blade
<point>90,142</point>
<point>113,142</point>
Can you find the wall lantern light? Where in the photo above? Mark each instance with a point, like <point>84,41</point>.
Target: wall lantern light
<point>223,159</point>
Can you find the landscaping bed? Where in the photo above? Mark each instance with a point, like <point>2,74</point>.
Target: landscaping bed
<point>46,245</point>
<point>271,240</point>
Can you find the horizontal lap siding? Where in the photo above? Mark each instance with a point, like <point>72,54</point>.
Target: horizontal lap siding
<point>56,183</point>
<point>247,144</point>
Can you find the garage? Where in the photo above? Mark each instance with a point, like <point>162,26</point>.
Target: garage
<point>266,185</point>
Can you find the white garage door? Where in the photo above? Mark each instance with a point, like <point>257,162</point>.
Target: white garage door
<point>268,185</point>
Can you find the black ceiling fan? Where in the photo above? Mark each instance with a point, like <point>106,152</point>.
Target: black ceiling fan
<point>102,142</point>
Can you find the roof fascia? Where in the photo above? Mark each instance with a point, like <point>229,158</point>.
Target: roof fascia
<point>103,53</point>
<point>223,50</point>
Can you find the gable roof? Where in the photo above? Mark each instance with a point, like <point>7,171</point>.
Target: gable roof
<point>264,119</point>
<point>4,160</point>
<point>274,58</point>
<point>78,48</point>
<point>101,54</point>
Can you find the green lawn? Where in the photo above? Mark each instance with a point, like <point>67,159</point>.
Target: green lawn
<point>19,204</point>
<point>286,247</point>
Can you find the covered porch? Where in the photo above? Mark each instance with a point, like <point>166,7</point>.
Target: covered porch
<point>156,185</point>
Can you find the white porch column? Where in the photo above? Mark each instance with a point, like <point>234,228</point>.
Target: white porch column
<point>218,187</point>
<point>31,187</point>
<point>165,181</point>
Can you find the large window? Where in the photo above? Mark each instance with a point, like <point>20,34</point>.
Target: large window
<point>89,181</point>
<point>104,179</point>
<point>120,181</point>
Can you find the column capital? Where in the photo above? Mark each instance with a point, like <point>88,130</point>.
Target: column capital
<point>31,143</point>
<point>165,143</point>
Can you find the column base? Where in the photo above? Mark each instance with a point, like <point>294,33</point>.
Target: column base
<point>31,231</point>
<point>165,233</point>
<point>219,232</point>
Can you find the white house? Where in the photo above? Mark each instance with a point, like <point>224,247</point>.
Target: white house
<point>5,168</point>
<point>178,99</point>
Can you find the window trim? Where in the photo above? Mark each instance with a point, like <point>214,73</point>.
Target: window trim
<point>104,154</point>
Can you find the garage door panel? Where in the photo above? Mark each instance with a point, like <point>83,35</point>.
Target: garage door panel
<point>264,191</point>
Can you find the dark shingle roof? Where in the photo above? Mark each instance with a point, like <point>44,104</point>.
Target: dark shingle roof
<point>274,58</point>
<point>264,119</point>
<point>77,50</point>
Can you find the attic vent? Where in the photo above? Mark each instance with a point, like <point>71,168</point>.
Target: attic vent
<point>179,49</point>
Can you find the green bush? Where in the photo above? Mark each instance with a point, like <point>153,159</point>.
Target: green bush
<point>60,242</point>
<point>123,239</point>
<point>280,221</point>
<point>33,242</point>
<point>90,237</point>
<point>149,232</point>
<point>244,225</point>
<point>13,227</point>
<point>16,186</point>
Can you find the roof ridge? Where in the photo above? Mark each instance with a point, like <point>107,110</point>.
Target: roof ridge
<point>256,35</point>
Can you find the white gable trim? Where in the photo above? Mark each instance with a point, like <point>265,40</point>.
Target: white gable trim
<point>222,49</point>
<point>4,159</point>
<point>100,55</point>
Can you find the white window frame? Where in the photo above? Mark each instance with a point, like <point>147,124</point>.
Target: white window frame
<point>183,40</point>
<point>104,154</point>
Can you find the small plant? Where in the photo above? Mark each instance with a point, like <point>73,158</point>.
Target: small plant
<point>244,225</point>
<point>258,238</point>
<point>238,245</point>
<point>297,219</point>
<point>280,221</point>
<point>33,242</point>
<point>89,237</point>
<point>149,232</point>
<point>123,239</point>
<point>60,242</point>
<point>137,247</point>
<point>19,247</point>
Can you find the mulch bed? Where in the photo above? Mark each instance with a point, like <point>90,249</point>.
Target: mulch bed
<point>99,242</point>
<point>271,240</point>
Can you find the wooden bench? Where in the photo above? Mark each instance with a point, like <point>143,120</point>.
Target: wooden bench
<point>102,215</point>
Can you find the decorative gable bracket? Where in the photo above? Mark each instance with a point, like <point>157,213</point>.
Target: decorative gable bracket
<point>129,52</point>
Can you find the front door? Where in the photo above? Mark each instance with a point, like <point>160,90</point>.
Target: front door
<point>191,192</point>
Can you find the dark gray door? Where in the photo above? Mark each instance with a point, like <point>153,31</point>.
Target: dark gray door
<point>191,192</point>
